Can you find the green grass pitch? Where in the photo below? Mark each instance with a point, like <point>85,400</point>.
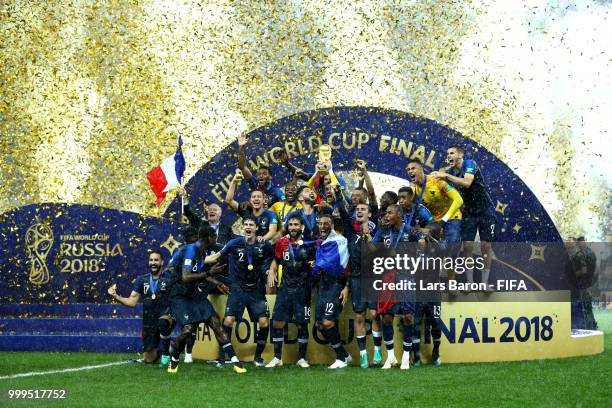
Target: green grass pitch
<point>571,382</point>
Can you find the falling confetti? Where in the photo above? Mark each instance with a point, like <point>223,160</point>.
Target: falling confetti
<point>94,93</point>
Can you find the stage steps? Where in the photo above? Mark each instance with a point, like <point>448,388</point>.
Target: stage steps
<point>70,327</point>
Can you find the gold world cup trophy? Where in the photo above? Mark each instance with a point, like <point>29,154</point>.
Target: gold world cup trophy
<point>324,159</point>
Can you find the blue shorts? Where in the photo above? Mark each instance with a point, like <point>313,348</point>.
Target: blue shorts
<point>401,308</point>
<point>452,237</point>
<point>357,298</point>
<point>427,310</point>
<point>291,305</point>
<point>254,301</point>
<point>189,310</point>
<point>328,302</point>
<point>483,223</point>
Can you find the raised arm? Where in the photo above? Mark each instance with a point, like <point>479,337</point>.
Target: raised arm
<point>294,170</point>
<point>368,183</point>
<point>193,219</point>
<point>231,191</point>
<point>344,215</point>
<point>242,141</point>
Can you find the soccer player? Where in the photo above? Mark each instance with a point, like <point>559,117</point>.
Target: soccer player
<point>263,180</point>
<point>213,218</point>
<point>444,203</point>
<point>477,206</point>
<point>428,307</point>
<point>355,233</point>
<point>330,264</point>
<point>153,290</point>
<point>413,215</point>
<point>388,198</point>
<point>191,305</point>
<point>292,300</point>
<point>391,235</point>
<point>267,223</point>
<point>248,259</point>
<point>283,208</point>
<point>190,236</point>
<point>307,212</point>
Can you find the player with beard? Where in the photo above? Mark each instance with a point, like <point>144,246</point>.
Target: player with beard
<point>153,290</point>
<point>479,215</point>
<point>266,220</point>
<point>190,305</point>
<point>391,235</point>
<point>331,261</point>
<point>293,300</point>
<point>361,230</point>
<point>307,212</point>
<point>263,181</point>
<point>248,258</point>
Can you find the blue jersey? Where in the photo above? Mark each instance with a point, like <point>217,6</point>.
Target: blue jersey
<point>353,233</point>
<point>264,220</point>
<point>154,293</point>
<point>476,198</point>
<point>241,255</point>
<point>390,236</point>
<point>311,229</point>
<point>274,193</point>
<point>190,256</point>
<point>421,217</point>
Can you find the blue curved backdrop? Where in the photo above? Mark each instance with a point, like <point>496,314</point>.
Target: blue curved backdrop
<point>59,253</point>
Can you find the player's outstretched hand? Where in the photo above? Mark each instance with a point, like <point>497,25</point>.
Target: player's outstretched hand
<point>243,139</point>
<point>344,295</point>
<point>282,156</point>
<point>223,288</point>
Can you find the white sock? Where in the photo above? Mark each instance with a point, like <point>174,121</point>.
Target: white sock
<point>469,275</point>
<point>235,360</point>
<point>485,275</point>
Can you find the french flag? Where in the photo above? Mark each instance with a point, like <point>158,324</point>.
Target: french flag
<point>168,175</point>
<point>332,255</point>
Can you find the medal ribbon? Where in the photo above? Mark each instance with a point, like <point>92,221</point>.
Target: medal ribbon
<point>399,235</point>
<point>151,285</point>
<point>248,253</point>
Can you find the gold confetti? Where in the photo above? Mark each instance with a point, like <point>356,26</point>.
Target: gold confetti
<point>95,93</point>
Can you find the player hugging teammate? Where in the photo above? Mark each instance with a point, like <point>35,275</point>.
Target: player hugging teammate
<point>308,240</point>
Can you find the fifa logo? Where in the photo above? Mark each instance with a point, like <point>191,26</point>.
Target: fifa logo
<point>39,239</point>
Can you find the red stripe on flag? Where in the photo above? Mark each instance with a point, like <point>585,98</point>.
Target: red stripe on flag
<point>158,182</point>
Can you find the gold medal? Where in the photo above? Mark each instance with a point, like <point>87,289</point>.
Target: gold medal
<point>153,296</point>
<point>250,267</point>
